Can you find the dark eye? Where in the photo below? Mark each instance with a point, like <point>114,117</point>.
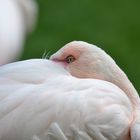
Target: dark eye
<point>70,59</point>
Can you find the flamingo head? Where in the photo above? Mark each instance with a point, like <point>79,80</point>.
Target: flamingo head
<point>84,60</point>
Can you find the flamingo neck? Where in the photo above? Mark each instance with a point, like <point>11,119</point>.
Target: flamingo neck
<point>120,79</point>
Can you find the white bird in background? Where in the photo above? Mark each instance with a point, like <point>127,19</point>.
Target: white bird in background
<point>79,94</point>
<point>17,17</point>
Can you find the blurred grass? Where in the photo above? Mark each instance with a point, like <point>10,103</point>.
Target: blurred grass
<point>111,25</point>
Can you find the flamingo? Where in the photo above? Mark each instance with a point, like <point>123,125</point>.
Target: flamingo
<point>79,94</point>
<point>17,18</point>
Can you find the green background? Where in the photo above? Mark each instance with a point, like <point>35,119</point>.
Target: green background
<point>113,25</point>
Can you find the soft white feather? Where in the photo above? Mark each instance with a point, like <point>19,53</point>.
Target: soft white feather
<point>92,62</point>
<point>89,98</point>
<point>83,108</point>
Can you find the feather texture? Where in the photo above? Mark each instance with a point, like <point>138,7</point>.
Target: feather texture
<point>88,98</point>
<point>31,108</point>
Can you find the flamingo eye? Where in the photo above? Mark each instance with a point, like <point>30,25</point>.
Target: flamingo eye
<point>70,59</point>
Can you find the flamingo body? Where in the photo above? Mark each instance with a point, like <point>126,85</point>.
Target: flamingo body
<point>35,100</point>
<point>16,17</point>
<point>79,94</point>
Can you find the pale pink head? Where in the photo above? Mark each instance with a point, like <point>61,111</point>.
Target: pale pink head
<point>84,60</point>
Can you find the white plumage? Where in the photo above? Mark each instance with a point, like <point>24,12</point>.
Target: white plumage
<point>45,100</point>
<point>17,17</point>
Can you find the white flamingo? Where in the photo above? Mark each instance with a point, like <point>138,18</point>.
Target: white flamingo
<point>80,94</point>
<point>17,17</point>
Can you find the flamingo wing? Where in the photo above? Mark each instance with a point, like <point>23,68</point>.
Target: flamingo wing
<point>39,99</point>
